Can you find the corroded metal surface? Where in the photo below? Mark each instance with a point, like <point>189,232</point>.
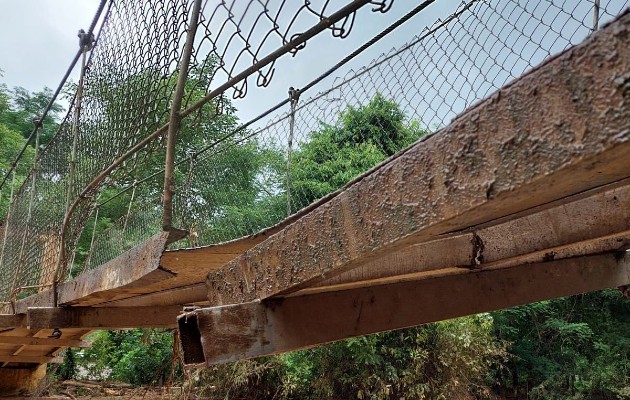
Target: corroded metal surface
<point>559,130</point>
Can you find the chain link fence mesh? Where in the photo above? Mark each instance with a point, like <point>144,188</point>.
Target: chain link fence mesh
<point>259,176</point>
<point>122,102</point>
<point>234,179</point>
<point>113,135</point>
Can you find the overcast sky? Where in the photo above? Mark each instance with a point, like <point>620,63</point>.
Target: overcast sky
<point>38,40</point>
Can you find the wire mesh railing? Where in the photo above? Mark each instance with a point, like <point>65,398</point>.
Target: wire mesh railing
<point>229,179</point>
<point>314,146</point>
<point>114,131</point>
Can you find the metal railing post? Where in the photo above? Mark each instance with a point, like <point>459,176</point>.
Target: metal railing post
<point>86,43</point>
<point>595,15</point>
<point>175,119</point>
<point>294,96</point>
<point>88,259</point>
<point>133,196</point>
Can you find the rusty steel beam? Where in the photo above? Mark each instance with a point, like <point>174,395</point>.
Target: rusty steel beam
<point>561,129</point>
<point>102,317</point>
<point>233,332</point>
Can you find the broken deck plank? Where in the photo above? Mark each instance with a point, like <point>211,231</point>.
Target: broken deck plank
<point>179,279</point>
<point>233,332</point>
<point>559,130</point>
<point>191,266</point>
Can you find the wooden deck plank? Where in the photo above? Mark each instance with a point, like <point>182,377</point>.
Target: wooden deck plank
<point>103,317</point>
<point>12,320</point>
<point>184,295</point>
<point>38,341</point>
<point>31,359</point>
<point>134,269</point>
<point>600,220</point>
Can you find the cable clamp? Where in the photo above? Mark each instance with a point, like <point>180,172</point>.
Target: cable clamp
<point>294,95</point>
<point>86,41</point>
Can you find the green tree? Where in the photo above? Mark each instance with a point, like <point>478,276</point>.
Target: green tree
<point>18,107</point>
<point>136,356</point>
<point>363,137</point>
<point>571,348</point>
<point>25,106</point>
<point>11,143</point>
<point>5,101</point>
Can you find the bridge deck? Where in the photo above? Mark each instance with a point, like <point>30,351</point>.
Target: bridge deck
<point>523,197</point>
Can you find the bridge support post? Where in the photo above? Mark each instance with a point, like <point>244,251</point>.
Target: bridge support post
<point>21,381</point>
<point>175,119</point>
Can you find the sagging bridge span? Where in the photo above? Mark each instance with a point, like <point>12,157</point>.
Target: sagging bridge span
<point>523,196</point>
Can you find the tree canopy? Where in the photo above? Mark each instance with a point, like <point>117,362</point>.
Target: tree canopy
<point>334,154</point>
<point>15,107</point>
<point>21,107</point>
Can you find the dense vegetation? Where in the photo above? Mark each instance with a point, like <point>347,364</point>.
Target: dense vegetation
<point>18,109</point>
<point>570,348</point>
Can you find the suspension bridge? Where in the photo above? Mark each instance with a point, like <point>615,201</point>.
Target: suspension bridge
<point>480,165</point>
